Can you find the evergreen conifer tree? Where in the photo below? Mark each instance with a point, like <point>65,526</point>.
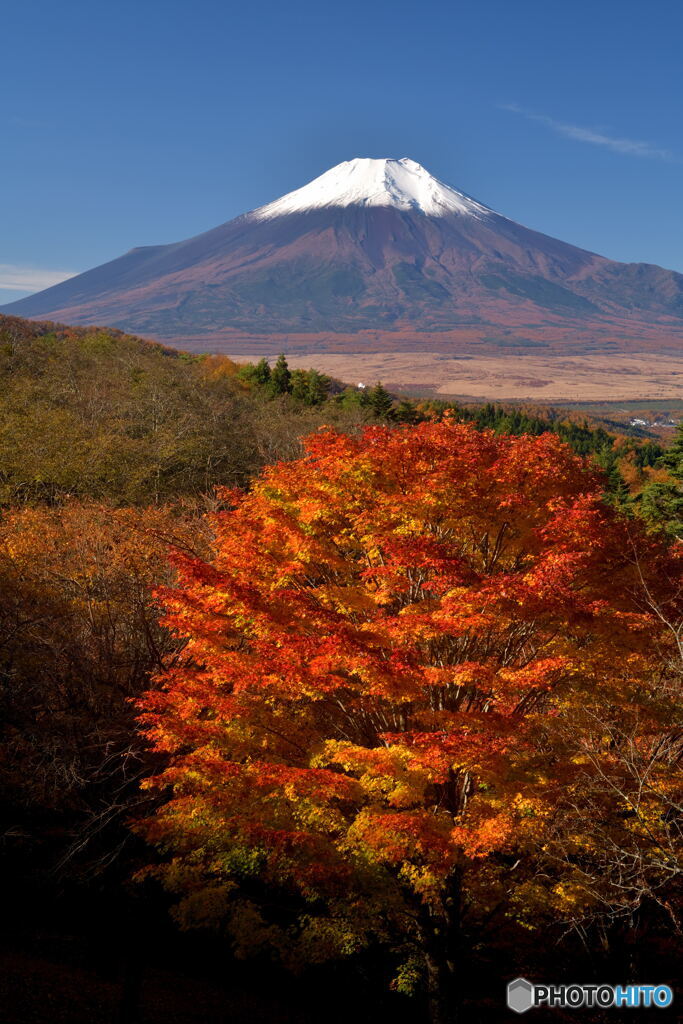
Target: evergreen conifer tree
<point>673,456</point>
<point>280,377</point>
<point>299,384</point>
<point>380,401</point>
<point>406,412</point>
<point>661,505</point>
<point>261,375</point>
<point>318,385</point>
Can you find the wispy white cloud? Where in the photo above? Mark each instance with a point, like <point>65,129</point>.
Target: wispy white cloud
<point>630,147</point>
<point>30,279</point>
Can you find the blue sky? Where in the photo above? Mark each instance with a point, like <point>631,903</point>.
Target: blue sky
<point>135,123</point>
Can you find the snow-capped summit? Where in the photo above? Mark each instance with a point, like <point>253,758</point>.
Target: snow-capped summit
<point>403,184</point>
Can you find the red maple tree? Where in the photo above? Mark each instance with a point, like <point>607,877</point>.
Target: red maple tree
<point>359,737</point>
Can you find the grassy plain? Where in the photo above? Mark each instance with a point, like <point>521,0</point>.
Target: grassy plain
<point>633,377</point>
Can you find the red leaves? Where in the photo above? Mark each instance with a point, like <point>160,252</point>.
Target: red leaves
<point>384,625</point>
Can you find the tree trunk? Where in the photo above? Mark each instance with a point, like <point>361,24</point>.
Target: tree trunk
<point>443,948</point>
<point>443,998</point>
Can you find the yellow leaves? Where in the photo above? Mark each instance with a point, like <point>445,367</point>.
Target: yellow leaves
<point>405,794</point>
<point>322,939</point>
<point>571,895</point>
<point>314,815</point>
<point>378,762</point>
<point>424,880</point>
<point>346,600</point>
<point>383,774</point>
<point>409,976</point>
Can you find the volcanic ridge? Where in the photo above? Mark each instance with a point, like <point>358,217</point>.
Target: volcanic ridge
<point>375,256</point>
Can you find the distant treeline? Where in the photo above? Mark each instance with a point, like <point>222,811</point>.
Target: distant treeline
<point>625,459</point>
<point>92,413</point>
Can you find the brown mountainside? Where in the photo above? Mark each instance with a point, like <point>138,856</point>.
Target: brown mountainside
<point>379,257</point>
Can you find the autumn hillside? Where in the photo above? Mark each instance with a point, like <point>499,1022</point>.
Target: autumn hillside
<point>99,414</point>
<point>94,413</point>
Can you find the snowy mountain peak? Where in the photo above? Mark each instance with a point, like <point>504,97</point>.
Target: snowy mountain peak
<point>403,184</point>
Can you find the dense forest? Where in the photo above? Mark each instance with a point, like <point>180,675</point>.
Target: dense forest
<point>233,664</point>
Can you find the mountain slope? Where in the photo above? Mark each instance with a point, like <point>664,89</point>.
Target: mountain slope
<point>376,252</point>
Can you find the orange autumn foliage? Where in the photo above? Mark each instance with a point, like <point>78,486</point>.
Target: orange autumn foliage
<point>363,715</point>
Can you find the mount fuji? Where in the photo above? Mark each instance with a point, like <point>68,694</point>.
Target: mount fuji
<point>374,255</point>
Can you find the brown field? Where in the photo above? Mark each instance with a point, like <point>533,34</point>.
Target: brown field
<point>579,378</point>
